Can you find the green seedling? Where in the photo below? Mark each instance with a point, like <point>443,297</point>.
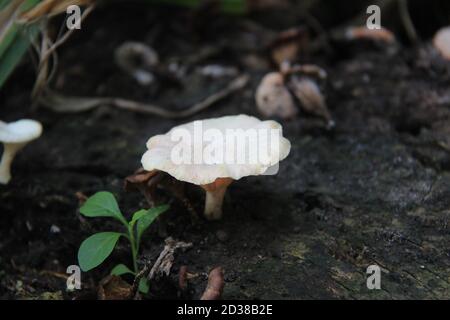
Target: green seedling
<point>95,249</point>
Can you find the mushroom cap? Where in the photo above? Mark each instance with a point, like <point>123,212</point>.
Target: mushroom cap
<point>441,42</point>
<point>158,155</point>
<point>21,131</point>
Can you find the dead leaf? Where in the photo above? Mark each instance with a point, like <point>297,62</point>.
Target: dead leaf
<point>273,99</point>
<point>114,288</point>
<point>288,45</point>
<point>308,93</point>
<point>364,33</point>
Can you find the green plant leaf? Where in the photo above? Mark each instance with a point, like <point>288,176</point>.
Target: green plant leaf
<point>14,38</point>
<point>102,204</point>
<point>95,249</point>
<point>146,220</point>
<point>138,215</point>
<point>121,269</point>
<point>143,286</point>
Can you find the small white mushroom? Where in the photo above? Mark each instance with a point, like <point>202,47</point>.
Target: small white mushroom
<point>15,136</point>
<point>215,176</point>
<point>273,98</point>
<point>441,42</point>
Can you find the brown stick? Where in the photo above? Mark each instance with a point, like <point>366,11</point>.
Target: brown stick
<point>165,260</point>
<point>215,285</point>
<point>55,102</point>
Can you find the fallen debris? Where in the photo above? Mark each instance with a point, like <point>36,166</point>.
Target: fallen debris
<point>364,33</point>
<point>147,182</point>
<point>273,98</point>
<point>137,59</point>
<point>288,45</point>
<point>113,288</point>
<point>215,285</point>
<point>165,260</point>
<point>308,93</point>
<point>66,104</point>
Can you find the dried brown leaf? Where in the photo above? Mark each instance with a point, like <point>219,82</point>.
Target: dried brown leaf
<point>312,101</point>
<point>288,45</point>
<point>364,33</point>
<point>114,288</point>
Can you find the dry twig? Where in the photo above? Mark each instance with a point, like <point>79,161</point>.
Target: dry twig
<point>165,260</point>
<point>65,104</point>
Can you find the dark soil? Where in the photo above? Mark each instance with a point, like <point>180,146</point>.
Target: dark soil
<point>375,190</point>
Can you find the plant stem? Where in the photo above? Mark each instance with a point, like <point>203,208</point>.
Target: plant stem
<point>133,249</point>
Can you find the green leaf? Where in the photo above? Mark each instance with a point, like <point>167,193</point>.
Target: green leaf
<point>102,204</point>
<point>121,269</point>
<point>95,249</point>
<point>138,215</point>
<point>14,38</point>
<point>146,220</point>
<point>143,286</point>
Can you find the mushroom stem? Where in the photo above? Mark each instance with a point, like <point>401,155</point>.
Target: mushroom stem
<point>215,193</point>
<point>213,203</point>
<point>9,152</point>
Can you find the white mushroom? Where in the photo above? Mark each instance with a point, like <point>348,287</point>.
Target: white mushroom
<point>211,153</point>
<point>441,42</point>
<point>15,136</point>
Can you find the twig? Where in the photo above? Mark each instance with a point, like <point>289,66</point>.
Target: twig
<point>60,103</point>
<point>407,21</point>
<point>68,33</point>
<point>138,107</point>
<point>48,50</point>
<point>165,260</point>
<point>182,278</point>
<point>143,273</point>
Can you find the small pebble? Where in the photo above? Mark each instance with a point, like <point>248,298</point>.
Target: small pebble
<point>222,235</point>
<point>55,229</point>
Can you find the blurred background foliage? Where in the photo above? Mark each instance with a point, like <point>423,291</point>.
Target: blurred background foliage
<point>428,16</point>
